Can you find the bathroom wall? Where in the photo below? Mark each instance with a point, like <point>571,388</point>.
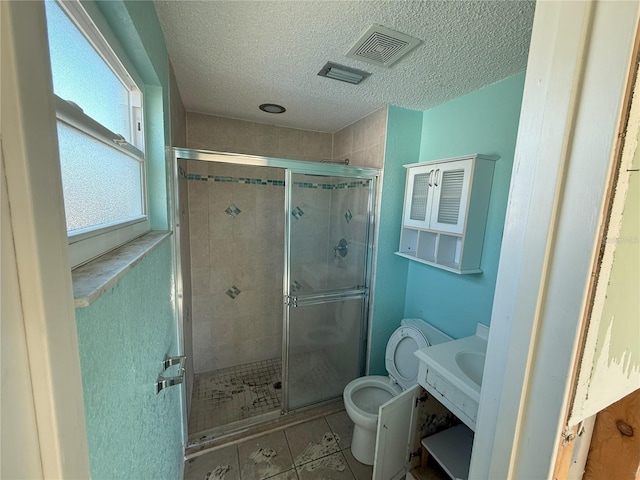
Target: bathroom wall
<point>178,113</point>
<point>404,129</point>
<point>248,327</point>
<point>363,141</point>
<point>236,219</point>
<point>123,336</point>
<point>484,121</point>
<point>221,134</point>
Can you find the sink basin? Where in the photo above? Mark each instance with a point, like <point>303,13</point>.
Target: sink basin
<point>472,365</point>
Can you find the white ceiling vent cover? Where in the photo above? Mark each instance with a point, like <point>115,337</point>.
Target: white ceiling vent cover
<point>382,46</point>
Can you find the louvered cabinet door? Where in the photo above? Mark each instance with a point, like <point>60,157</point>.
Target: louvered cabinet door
<point>451,183</point>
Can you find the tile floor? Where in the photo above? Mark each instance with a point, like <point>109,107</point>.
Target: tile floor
<point>316,449</point>
<point>236,393</point>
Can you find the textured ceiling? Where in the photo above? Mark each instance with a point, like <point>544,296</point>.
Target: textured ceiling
<point>231,56</point>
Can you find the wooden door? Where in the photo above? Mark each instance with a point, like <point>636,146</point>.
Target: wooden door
<point>607,374</point>
<point>40,324</point>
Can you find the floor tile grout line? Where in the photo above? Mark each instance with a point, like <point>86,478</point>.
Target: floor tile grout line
<point>340,451</point>
<point>293,460</point>
<point>353,474</point>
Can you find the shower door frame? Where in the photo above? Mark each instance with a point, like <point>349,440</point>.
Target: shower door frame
<point>289,167</point>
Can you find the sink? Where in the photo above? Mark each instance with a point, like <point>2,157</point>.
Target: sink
<point>472,365</point>
<point>452,372</point>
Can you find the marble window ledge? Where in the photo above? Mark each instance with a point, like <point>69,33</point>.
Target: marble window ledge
<point>93,279</point>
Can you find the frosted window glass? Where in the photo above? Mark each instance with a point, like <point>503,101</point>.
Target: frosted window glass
<point>100,184</point>
<point>82,76</point>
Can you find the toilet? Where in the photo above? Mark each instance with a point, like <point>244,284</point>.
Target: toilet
<point>363,396</point>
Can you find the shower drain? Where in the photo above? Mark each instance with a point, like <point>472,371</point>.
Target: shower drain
<point>277,385</point>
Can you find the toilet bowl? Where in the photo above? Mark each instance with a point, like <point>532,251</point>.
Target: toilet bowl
<point>363,396</point>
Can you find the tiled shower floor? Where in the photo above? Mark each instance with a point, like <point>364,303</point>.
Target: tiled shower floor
<point>236,393</point>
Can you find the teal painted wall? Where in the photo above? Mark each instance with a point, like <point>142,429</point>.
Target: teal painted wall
<point>484,121</point>
<point>156,104</point>
<point>404,128</point>
<point>137,29</point>
<point>123,336</point>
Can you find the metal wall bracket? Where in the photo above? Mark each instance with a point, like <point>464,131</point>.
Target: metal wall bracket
<point>163,382</point>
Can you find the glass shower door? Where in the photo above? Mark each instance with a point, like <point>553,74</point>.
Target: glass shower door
<point>327,254</point>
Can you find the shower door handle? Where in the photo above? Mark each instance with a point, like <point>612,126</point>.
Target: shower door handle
<point>315,298</point>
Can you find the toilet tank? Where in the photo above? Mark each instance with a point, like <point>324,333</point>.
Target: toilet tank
<point>434,335</point>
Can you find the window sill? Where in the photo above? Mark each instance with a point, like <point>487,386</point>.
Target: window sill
<point>93,279</point>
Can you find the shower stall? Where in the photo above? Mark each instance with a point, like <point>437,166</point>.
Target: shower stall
<point>276,259</point>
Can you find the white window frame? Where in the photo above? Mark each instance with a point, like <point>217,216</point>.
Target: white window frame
<point>89,243</point>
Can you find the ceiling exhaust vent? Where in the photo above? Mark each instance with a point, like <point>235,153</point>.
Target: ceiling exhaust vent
<point>382,46</point>
<point>343,73</point>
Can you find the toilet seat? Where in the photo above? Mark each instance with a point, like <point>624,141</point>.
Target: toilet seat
<point>400,360</point>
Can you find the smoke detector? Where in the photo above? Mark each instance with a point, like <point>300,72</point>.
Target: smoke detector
<point>382,46</point>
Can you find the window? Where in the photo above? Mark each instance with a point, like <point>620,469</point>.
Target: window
<point>100,135</point>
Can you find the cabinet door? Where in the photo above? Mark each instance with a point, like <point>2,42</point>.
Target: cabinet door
<point>417,202</point>
<point>395,435</point>
<point>451,182</point>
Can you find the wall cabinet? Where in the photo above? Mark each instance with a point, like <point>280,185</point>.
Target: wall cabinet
<point>445,212</point>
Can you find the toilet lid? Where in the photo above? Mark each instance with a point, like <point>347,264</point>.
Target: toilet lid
<point>401,363</point>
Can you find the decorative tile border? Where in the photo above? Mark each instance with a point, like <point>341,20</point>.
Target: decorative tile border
<point>332,186</point>
<point>239,180</point>
<point>276,183</point>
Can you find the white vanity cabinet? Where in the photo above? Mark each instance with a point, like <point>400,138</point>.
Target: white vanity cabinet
<point>445,212</point>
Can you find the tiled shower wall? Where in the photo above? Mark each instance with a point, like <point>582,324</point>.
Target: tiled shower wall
<point>221,134</point>
<point>245,253</point>
<point>236,225</point>
<point>363,142</point>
